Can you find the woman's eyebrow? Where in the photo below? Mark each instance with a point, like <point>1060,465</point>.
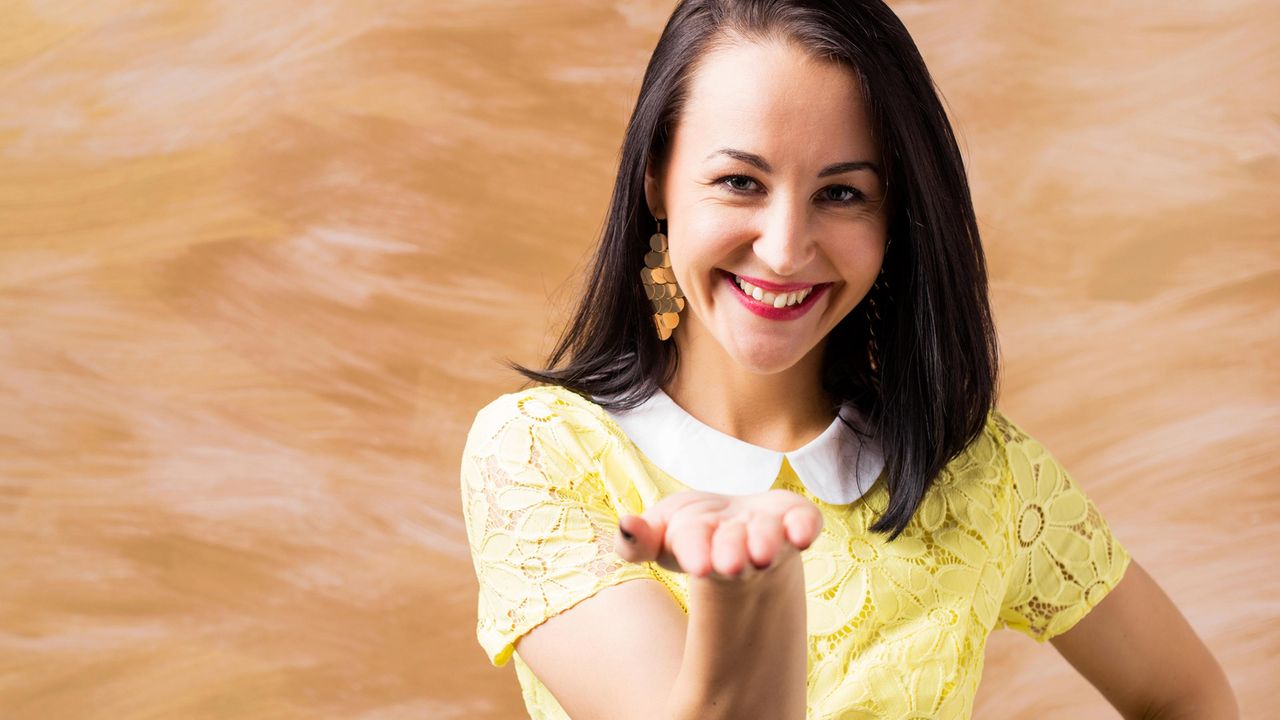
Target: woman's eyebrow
<point>835,169</point>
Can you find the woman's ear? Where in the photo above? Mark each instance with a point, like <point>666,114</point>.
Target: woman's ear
<point>653,191</point>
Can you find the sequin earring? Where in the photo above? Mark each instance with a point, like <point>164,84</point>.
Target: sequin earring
<point>660,285</point>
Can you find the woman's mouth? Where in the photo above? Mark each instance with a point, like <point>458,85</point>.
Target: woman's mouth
<point>772,304</point>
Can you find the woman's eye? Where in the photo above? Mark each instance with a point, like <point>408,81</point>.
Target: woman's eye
<point>845,194</point>
<point>732,180</point>
<point>839,194</point>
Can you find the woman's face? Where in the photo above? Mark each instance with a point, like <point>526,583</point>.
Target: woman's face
<point>773,175</point>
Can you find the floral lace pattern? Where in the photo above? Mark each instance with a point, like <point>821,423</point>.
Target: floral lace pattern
<point>539,521</point>
<point>1065,556</point>
<point>1004,538</point>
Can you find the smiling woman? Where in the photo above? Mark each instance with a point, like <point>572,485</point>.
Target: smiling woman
<point>777,415</point>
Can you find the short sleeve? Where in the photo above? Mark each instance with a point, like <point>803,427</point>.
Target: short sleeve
<point>1065,557</point>
<point>539,521</point>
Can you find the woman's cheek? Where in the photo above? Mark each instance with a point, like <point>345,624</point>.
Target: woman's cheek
<point>715,235</point>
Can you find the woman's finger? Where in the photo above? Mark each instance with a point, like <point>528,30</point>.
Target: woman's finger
<point>765,534</point>
<point>691,546</point>
<point>803,523</point>
<point>637,542</point>
<point>647,531</point>
<point>729,548</point>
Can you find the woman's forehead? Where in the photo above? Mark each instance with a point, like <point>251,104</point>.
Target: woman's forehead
<point>754,94</point>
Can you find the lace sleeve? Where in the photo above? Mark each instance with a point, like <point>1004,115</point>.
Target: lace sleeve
<point>539,521</point>
<point>1065,557</point>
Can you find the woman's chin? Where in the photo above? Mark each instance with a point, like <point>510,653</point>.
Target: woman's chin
<point>763,355</point>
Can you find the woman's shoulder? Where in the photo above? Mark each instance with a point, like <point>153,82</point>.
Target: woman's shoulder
<point>985,451</point>
<point>992,444</point>
<point>1016,445</point>
<point>1004,429</point>
<point>540,403</point>
<point>546,410</point>
<point>980,473</point>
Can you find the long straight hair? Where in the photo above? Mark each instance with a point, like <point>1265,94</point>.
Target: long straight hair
<point>934,341</point>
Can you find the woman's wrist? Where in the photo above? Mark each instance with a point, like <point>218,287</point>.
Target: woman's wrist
<point>746,647</point>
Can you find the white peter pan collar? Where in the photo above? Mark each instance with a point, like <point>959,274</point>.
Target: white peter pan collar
<point>706,459</point>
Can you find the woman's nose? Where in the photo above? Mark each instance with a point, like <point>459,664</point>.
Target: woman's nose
<point>785,244</point>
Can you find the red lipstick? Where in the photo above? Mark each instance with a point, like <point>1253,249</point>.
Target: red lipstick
<point>776,287</point>
<point>789,312</point>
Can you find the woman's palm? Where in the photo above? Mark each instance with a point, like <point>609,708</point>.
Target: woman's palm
<point>729,536</point>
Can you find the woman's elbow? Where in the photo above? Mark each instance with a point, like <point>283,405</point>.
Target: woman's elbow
<point>1205,701</point>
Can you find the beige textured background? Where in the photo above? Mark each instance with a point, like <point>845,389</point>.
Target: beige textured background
<point>258,262</point>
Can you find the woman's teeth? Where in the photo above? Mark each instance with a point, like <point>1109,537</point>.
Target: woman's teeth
<point>777,300</point>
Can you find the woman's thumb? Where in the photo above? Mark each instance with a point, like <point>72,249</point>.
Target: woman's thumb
<point>637,542</point>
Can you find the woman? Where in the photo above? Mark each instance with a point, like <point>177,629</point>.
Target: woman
<point>776,414</point>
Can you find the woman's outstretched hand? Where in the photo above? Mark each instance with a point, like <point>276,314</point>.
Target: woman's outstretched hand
<point>727,536</point>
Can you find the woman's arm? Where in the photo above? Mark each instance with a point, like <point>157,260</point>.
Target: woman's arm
<point>629,652</point>
<point>1139,651</point>
<point>745,651</point>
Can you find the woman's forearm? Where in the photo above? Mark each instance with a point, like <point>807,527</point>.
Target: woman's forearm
<point>746,647</point>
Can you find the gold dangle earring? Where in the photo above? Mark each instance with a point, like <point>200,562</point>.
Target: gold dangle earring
<point>660,285</point>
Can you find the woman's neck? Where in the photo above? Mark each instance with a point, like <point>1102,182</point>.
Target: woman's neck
<point>782,411</point>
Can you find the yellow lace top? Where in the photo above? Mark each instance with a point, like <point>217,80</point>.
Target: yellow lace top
<point>1005,538</point>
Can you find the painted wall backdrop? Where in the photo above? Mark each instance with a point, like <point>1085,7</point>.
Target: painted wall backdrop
<point>259,263</point>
